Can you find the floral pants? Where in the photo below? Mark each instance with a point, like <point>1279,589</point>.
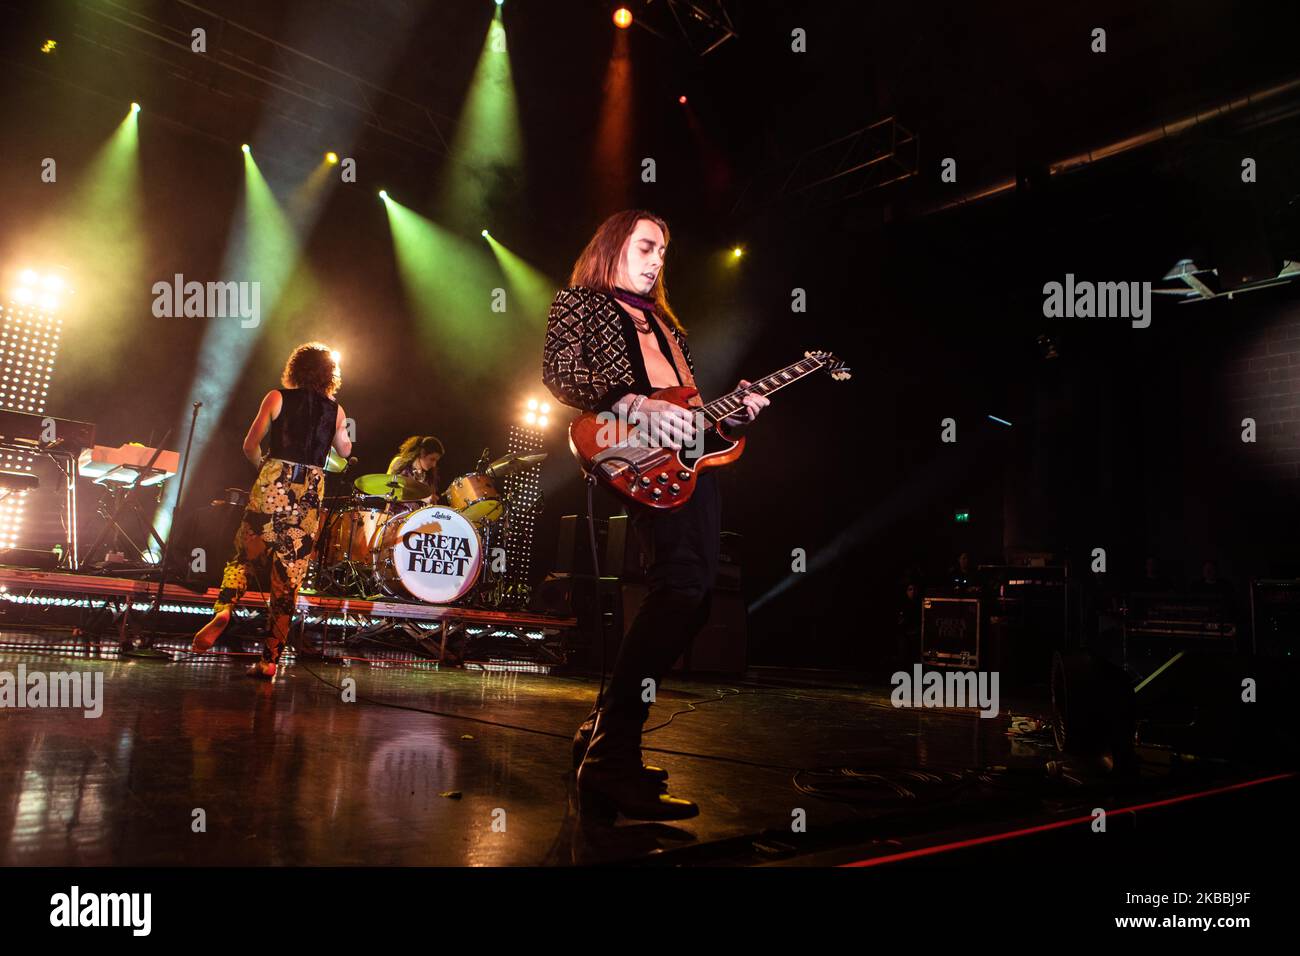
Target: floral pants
<point>279,526</point>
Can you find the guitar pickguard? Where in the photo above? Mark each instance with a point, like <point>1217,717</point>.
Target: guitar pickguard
<point>713,444</point>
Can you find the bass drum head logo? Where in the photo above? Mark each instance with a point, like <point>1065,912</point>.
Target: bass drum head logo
<point>437,555</point>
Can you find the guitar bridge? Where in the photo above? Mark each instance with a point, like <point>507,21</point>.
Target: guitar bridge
<point>616,461</point>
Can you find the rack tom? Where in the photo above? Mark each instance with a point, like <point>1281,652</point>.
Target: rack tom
<point>476,497</point>
<point>354,535</point>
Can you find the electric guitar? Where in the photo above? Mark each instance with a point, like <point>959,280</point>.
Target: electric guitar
<point>626,459</point>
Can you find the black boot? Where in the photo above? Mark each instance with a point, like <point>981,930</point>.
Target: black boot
<point>612,781</point>
<point>582,738</point>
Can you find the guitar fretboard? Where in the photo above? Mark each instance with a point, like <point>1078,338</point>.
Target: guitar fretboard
<point>729,404</point>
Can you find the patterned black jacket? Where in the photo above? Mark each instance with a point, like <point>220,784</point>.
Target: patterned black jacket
<point>587,361</point>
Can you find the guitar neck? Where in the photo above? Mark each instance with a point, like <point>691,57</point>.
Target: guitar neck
<point>731,403</point>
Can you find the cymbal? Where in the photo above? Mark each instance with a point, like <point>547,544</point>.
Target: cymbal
<point>402,488</point>
<point>509,464</point>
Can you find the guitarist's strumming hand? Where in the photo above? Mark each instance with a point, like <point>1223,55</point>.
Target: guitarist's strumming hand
<point>665,424</point>
<point>754,403</point>
<point>668,425</point>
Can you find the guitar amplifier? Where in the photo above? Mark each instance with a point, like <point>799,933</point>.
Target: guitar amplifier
<point>950,632</point>
<point>605,614</point>
<point>211,528</point>
<point>1198,616</point>
<point>1275,617</point>
<point>616,546</point>
<point>721,647</point>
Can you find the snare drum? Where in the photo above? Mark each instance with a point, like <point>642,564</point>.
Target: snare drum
<point>432,554</point>
<point>476,497</point>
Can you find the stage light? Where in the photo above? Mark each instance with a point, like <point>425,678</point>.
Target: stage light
<point>29,346</point>
<point>532,404</point>
<point>737,252</point>
<point>246,149</point>
<point>622,18</point>
<point>500,2</point>
<point>135,107</point>
<point>682,99</point>
<point>530,418</point>
<point>331,157</point>
<point>544,408</point>
<point>383,194</point>
<point>487,136</point>
<point>541,421</point>
<point>484,234</point>
<point>49,46</point>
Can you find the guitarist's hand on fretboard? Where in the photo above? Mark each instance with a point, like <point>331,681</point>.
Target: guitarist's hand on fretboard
<point>754,403</point>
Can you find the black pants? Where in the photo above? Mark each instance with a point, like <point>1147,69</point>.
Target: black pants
<point>680,549</point>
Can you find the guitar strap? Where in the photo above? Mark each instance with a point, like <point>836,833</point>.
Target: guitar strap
<point>679,360</point>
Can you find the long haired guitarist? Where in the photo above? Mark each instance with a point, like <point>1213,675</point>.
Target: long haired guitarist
<point>611,340</point>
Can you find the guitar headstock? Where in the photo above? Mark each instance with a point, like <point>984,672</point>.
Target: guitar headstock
<point>838,370</point>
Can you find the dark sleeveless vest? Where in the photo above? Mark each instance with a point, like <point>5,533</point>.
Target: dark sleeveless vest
<point>304,431</point>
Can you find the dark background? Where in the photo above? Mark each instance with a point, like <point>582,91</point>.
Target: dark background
<point>1127,439</point>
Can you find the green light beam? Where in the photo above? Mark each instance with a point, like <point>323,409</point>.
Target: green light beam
<point>531,289</point>
<point>450,283</point>
<point>486,150</point>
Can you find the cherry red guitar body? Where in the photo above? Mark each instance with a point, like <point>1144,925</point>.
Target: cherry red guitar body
<point>662,478</point>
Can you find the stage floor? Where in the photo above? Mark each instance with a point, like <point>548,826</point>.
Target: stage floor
<point>452,767</point>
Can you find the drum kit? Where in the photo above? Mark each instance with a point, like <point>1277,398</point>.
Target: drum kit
<point>384,538</point>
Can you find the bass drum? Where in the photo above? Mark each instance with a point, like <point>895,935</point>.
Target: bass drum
<point>432,554</point>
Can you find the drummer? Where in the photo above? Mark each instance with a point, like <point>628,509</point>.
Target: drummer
<point>417,459</point>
